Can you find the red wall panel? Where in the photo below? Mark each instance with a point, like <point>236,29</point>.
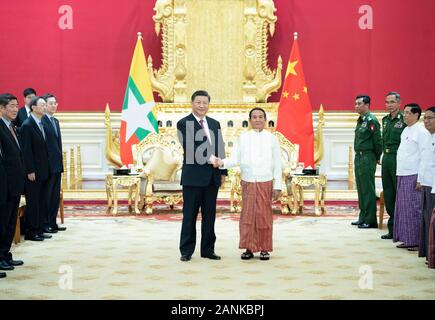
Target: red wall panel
<point>88,65</point>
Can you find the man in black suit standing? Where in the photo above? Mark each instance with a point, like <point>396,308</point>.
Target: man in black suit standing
<point>34,147</point>
<point>13,164</point>
<point>202,141</point>
<point>3,196</point>
<point>24,111</point>
<point>54,147</point>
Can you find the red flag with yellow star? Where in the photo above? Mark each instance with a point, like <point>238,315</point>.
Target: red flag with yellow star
<point>295,120</point>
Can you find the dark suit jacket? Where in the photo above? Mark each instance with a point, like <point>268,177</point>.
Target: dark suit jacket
<point>54,145</point>
<point>12,161</point>
<point>34,149</point>
<point>3,178</point>
<point>196,171</point>
<point>21,117</point>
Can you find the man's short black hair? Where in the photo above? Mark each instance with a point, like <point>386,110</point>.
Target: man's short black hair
<point>34,102</point>
<point>431,109</point>
<point>5,98</point>
<point>200,93</point>
<point>395,94</point>
<point>48,95</point>
<point>28,91</point>
<point>415,108</point>
<point>259,109</point>
<point>365,98</point>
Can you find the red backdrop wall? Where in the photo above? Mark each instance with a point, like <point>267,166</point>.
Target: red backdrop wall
<point>88,65</point>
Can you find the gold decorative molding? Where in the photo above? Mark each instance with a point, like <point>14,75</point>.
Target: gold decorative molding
<point>226,42</point>
<point>72,175</point>
<point>318,138</point>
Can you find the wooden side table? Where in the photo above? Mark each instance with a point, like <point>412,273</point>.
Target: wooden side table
<point>133,184</point>
<point>298,182</point>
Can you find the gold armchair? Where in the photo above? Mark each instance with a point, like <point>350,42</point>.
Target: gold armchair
<point>289,160</point>
<point>159,161</point>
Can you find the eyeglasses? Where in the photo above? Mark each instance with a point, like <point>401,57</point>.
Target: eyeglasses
<point>428,118</point>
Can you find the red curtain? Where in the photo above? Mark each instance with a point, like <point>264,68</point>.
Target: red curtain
<point>87,66</point>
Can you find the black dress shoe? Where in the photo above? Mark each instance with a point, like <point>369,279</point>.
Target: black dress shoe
<point>356,223</point>
<point>50,230</point>
<point>15,262</point>
<point>387,236</point>
<point>60,228</point>
<point>212,256</point>
<point>45,236</point>
<point>5,266</point>
<point>185,258</point>
<point>33,238</point>
<point>368,225</point>
<point>2,275</point>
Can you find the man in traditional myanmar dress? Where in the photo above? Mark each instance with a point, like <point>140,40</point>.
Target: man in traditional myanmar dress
<point>431,247</point>
<point>259,157</point>
<point>426,181</point>
<point>408,210</point>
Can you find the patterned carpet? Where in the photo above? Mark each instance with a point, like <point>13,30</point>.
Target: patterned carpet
<point>137,257</point>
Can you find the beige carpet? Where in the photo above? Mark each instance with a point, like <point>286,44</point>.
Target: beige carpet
<point>138,258</point>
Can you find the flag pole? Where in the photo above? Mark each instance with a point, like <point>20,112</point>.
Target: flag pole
<point>295,36</point>
<point>139,35</point>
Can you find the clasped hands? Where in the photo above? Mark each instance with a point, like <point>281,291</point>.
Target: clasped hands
<point>215,161</point>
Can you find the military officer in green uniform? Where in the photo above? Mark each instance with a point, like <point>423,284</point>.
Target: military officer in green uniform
<point>368,150</point>
<point>392,127</point>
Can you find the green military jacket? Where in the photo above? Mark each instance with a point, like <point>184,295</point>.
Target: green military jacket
<point>391,132</point>
<point>368,135</point>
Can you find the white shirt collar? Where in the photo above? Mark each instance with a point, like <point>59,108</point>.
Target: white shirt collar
<point>38,121</point>
<point>198,118</point>
<point>7,122</point>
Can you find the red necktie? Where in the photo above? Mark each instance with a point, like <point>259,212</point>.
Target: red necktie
<point>201,122</point>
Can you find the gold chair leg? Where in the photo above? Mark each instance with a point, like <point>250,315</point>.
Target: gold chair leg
<point>295,199</point>
<point>130,194</point>
<point>301,199</point>
<point>136,199</point>
<point>17,236</point>
<point>149,205</point>
<point>317,210</point>
<point>115,201</point>
<point>322,200</point>
<point>284,204</point>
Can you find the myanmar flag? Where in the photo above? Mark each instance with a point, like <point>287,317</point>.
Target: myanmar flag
<point>295,119</point>
<point>138,117</point>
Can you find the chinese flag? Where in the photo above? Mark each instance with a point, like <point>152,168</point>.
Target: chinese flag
<point>295,120</point>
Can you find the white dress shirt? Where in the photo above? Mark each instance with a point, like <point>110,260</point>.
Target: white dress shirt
<point>428,162</point>
<point>413,141</point>
<point>259,156</point>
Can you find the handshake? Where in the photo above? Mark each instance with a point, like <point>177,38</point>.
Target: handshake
<point>215,161</point>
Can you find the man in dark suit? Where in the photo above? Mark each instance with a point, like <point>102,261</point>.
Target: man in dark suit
<point>24,111</point>
<point>13,164</point>
<point>202,141</point>
<point>3,196</point>
<point>34,148</point>
<point>54,148</point>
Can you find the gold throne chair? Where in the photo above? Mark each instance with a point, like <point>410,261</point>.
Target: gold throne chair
<point>159,159</point>
<point>222,47</point>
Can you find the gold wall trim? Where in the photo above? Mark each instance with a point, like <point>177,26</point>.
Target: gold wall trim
<point>95,120</point>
